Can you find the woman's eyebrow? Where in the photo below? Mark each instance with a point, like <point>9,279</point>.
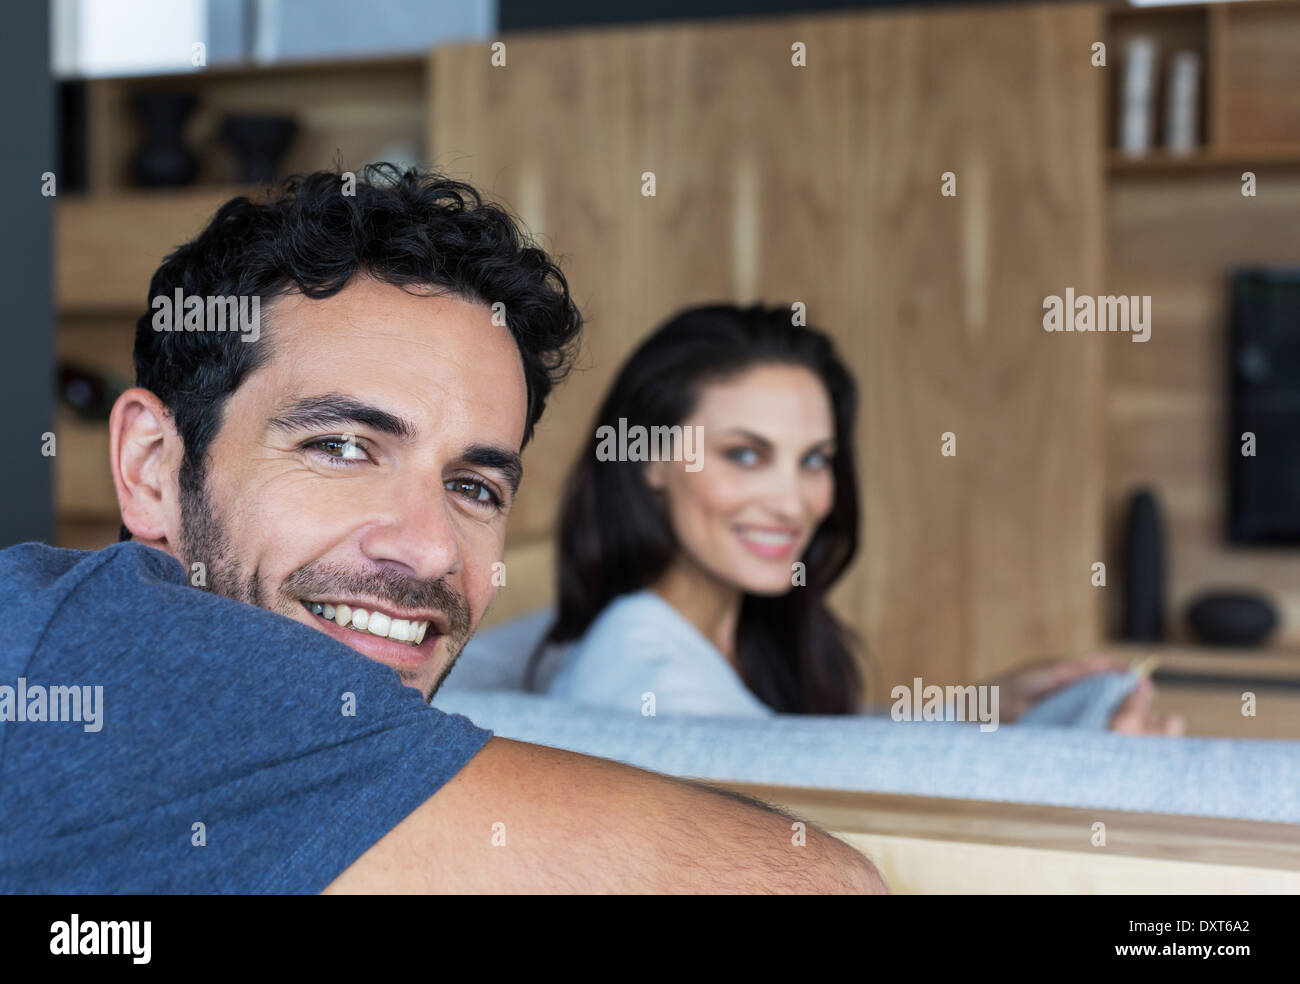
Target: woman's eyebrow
<point>338,410</point>
<point>741,432</point>
<point>825,442</point>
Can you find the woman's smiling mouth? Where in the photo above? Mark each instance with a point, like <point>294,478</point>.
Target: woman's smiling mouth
<point>767,541</point>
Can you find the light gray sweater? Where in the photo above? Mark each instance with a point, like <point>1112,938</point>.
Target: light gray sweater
<point>640,654</point>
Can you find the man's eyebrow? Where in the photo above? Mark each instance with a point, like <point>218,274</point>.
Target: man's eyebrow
<point>338,410</point>
<point>502,459</point>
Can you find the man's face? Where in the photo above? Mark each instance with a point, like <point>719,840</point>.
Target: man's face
<point>368,466</point>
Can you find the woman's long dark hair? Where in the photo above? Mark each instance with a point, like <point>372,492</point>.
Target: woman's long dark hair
<point>614,536</point>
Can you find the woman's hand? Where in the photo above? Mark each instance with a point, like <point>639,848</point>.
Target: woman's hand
<point>1137,716</point>
<point>1025,686</point>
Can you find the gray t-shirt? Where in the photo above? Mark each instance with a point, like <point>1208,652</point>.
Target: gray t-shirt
<point>203,745</point>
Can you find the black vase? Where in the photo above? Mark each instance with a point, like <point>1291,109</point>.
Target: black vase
<point>259,142</point>
<point>1144,568</point>
<point>163,161</point>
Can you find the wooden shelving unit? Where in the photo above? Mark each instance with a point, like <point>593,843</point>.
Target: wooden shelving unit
<point>1250,82</point>
<point>353,111</point>
<point>1178,225</point>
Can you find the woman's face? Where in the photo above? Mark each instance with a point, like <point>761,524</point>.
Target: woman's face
<point>765,484</point>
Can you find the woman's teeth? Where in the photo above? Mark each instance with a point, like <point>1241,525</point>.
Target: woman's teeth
<point>767,537</point>
<point>410,632</point>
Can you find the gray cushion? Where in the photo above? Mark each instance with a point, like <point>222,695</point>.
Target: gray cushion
<point>1026,763</point>
<point>1249,779</point>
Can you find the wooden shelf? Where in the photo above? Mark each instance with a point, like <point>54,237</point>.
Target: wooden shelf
<point>1206,158</point>
<point>109,245</point>
<point>353,111</point>
<point>1249,74</point>
<point>1207,685</point>
<point>1266,665</point>
<point>246,68</point>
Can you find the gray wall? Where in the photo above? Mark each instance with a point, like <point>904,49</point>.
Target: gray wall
<point>27,328</point>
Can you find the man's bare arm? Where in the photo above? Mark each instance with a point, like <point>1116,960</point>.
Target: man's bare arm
<point>572,823</point>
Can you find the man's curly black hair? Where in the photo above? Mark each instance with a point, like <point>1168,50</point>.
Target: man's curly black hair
<point>406,228</point>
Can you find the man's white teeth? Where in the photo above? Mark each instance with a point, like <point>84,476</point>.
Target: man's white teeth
<point>409,631</point>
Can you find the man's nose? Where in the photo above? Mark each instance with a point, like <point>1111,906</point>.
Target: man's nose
<point>416,531</point>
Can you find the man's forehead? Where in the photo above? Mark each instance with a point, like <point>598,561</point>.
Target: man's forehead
<point>410,356</point>
<point>368,313</point>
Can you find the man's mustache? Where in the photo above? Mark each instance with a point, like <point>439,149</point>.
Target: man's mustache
<point>329,581</point>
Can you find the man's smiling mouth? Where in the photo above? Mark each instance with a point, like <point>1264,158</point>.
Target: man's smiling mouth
<point>371,622</point>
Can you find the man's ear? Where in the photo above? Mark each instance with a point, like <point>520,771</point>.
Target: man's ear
<point>145,454</point>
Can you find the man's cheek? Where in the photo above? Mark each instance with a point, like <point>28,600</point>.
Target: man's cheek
<point>483,589</point>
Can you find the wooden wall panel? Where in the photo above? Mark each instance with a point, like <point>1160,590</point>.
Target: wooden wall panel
<point>749,164</point>
<point>530,581</point>
<point>979,561</point>
<point>1261,74</point>
<point>821,184</point>
<point>548,136</point>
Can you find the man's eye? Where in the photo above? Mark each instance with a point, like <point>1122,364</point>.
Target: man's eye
<point>476,491</point>
<point>339,449</point>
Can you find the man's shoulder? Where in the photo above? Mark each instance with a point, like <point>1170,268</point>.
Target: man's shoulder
<point>292,750</point>
<point>40,584</point>
<point>117,611</point>
<point>30,568</point>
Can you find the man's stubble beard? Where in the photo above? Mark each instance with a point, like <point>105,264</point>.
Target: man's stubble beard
<point>203,540</point>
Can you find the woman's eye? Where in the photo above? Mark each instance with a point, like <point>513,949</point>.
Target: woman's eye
<point>340,449</point>
<point>817,460</point>
<point>473,490</point>
<point>743,456</point>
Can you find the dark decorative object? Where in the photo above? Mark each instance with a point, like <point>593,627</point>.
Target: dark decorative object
<point>72,135</point>
<point>1144,581</point>
<point>163,161</point>
<point>1263,441</point>
<point>259,142</point>
<point>1232,618</point>
<point>89,393</point>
